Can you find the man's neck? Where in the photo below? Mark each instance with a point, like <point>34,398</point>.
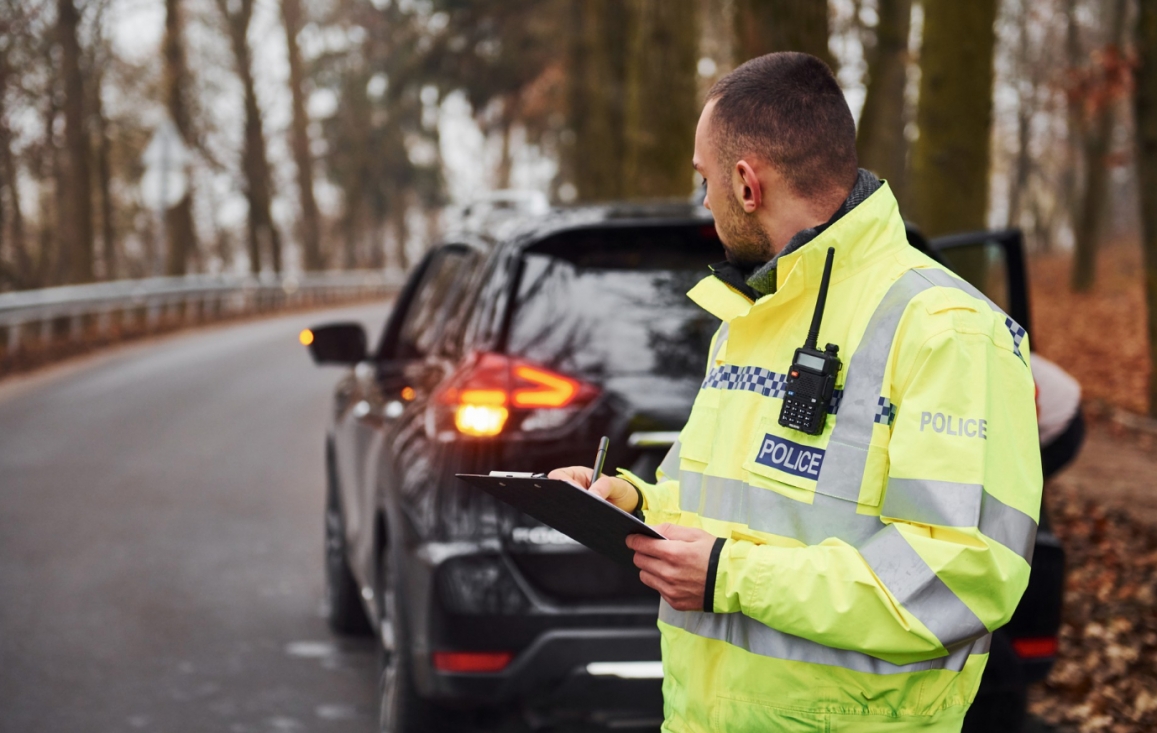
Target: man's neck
<point>763,279</point>
<point>797,215</point>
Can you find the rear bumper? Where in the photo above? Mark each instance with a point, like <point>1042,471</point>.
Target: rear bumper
<point>552,674</point>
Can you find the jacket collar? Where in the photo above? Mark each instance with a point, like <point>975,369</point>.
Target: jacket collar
<point>867,233</point>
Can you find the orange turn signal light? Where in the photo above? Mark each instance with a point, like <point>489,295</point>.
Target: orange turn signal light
<point>305,337</point>
<point>549,390</point>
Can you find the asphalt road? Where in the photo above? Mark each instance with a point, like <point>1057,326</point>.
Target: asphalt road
<point>161,540</point>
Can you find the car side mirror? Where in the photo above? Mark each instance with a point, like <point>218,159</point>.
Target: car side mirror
<point>336,343</point>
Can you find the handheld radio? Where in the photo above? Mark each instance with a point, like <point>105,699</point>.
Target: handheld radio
<point>812,378</point>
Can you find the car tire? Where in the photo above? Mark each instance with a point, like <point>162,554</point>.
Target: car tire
<point>402,710</point>
<point>344,612</point>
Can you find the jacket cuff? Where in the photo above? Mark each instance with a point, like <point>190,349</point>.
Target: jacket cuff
<point>634,481</point>
<point>712,574</point>
<point>639,507</point>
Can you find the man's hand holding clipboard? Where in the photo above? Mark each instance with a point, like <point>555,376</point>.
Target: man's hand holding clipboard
<point>677,566</point>
<point>672,559</point>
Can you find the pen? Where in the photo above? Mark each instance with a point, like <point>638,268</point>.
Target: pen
<point>600,459</point>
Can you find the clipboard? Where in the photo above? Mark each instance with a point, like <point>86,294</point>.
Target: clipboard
<point>577,513</point>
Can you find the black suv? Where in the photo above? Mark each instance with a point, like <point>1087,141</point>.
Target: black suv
<point>518,350</point>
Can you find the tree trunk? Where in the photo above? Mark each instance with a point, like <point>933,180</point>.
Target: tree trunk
<point>21,260</point>
<point>1070,181</point>
<point>883,148</point>
<point>949,185</point>
<point>352,224</point>
<point>661,100</point>
<point>291,13</point>
<point>181,233</point>
<point>1145,110</point>
<point>506,158</point>
<point>764,26</point>
<point>11,214</point>
<point>104,186</point>
<point>597,80</point>
<point>76,193</point>
<point>1025,108</point>
<point>1097,141</point>
<point>1022,165</point>
<point>262,233</point>
<point>51,261</point>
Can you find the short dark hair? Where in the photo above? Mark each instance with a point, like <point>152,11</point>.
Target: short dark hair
<point>788,109</point>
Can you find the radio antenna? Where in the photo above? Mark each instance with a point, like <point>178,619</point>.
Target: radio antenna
<point>813,334</point>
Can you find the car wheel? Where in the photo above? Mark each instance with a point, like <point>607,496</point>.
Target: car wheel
<point>345,612</point>
<point>402,710</point>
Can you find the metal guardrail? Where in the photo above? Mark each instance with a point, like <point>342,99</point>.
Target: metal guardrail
<point>73,311</point>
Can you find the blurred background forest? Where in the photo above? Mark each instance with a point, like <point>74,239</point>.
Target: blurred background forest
<point>171,137</point>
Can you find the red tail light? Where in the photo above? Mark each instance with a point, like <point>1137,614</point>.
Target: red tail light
<point>1035,648</point>
<point>472,661</point>
<point>483,394</point>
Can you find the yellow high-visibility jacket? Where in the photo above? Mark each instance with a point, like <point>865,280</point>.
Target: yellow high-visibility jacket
<point>863,569</point>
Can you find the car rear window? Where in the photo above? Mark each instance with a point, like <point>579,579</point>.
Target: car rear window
<point>612,303</point>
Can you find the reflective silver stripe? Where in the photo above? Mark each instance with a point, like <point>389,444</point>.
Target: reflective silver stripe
<point>764,510</point>
<point>916,587</point>
<point>944,279</point>
<point>1010,527</point>
<point>690,494</point>
<point>720,339</point>
<point>945,503</point>
<point>748,634</point>
<point>670,465</point>
<point>951,504</point>
<point>652,438</point>
<point>948,280</point>
<point>982,645</point>
<point>847,451</point>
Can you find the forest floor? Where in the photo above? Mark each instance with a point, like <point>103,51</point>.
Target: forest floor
<point>1104,506</point>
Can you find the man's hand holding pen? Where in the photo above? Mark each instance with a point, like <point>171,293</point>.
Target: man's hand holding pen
<point>615,490</point>
<point>677,566</point>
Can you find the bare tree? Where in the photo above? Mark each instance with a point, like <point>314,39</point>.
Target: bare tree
<point>310,230</point>
<point>262,232</point>
<point>1145,110</point>
<point>882,145</point>
<point>629,60</point>
<point>662,53</point>
<point>98,58</point>
<point>18,272</point>
<point>75,181</point>
<point>597,81</point>
<point>763,26</point>
<point>949,184</point>
<point>179,226</point>
<point>108,244</point>
<point>1096,91</point>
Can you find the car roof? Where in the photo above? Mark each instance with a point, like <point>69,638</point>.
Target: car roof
<point>524,230</point>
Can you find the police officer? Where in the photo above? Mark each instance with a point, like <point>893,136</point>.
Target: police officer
<point>848,580</point>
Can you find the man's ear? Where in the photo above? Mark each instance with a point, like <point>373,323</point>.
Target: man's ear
<point>748,191</point>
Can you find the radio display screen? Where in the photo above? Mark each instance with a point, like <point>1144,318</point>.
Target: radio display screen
<point>811,362</point>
